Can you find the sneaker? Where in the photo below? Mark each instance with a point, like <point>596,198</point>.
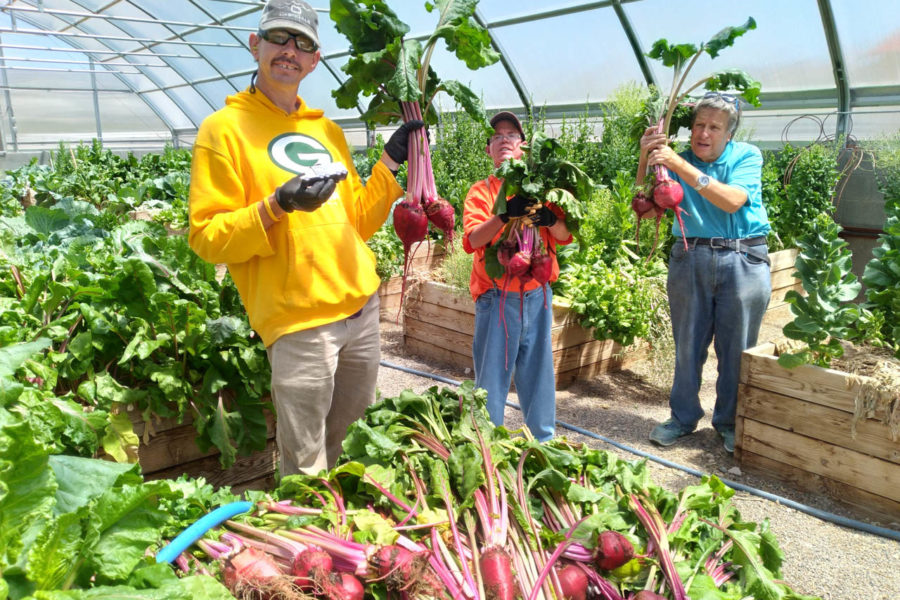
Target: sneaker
<point>666,433</point>
<point>728,439</point>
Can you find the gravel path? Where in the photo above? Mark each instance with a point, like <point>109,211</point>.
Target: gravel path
<point>821,559</point>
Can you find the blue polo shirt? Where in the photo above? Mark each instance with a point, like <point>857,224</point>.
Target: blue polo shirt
<point>740,165</point>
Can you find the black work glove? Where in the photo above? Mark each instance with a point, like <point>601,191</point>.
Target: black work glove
<point>517,206</point>
<point>397,146</point>
<point>297,194</point>
<point>544,217</point>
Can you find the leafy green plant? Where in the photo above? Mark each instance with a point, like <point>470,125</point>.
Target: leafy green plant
<point>798,185</point>
<point>456,268</point>
<point>882,274</point>
<point>388,251</point>
<point>623,124</point>
<point>136,319</point>
<point>826,315</point>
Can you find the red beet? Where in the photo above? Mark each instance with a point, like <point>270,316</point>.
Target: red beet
<point>613,550</point>
<point>252,573</point>
<point>518,265</point>
<point>406,571</point>
<point>310,567</point>
<point>573,582</point>
<point>541,268</point>
<point>342,586</point>
<point>411,226</point>
<point>441,214</point>
<point>641,204</point>
<point>506,250</point>
<point>496,571</point>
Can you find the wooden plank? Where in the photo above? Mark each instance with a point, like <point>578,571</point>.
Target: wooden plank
<point>784,279</point>
<point>245,469</point>
<point>574,357</point>
<point>874,475</point>
<point>441,355</point>
<point>783,259</point>
<point>807,382</point>
<point>441,316</point>
<point>873,437</point>
<point>442,295</point>
<point>440,337</point>
<point>866,504</point>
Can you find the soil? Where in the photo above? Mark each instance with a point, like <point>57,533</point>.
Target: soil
<point>617,411</point>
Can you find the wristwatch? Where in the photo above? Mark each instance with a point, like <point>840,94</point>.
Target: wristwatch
<point>702,182</point>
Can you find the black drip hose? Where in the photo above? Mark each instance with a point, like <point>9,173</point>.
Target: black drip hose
<point>810,510</point>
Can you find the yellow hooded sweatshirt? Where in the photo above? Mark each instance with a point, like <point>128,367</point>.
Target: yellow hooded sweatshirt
<point>309,268</point>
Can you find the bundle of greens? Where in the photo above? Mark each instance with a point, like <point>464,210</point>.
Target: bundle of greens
<point>430,500</point>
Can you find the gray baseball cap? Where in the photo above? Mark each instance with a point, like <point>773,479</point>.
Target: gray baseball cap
<point>294,15</point>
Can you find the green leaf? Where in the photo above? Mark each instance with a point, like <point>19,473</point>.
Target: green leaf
<point>404,84</point>
<point>725,38</point>
<point>12,357</point>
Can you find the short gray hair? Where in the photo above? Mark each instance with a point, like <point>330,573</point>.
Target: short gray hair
<point>725,102</point>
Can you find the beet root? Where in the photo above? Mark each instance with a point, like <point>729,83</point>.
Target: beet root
<point>613,550</point>
<point>573,582</point>
<point>496,571</point>
<point>441,214</point>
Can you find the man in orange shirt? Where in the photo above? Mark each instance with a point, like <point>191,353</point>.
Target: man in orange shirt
<point>521,349</point>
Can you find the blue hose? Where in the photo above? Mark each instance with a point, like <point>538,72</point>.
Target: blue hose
<point>820,514</point>
<point>196,530</point>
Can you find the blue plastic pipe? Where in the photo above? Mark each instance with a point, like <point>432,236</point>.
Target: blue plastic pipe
<point>815,512</point>
<point>196,530</point>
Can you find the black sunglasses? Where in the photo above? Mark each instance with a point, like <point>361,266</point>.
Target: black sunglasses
<point>280,38</point>
<point>730,98</point>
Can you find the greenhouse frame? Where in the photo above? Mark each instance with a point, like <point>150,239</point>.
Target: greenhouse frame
<point>598,330</point>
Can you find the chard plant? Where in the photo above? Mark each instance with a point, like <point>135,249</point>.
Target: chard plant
<point>826,314</point>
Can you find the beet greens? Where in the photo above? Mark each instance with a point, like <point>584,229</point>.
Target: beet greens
<point>430,500</point>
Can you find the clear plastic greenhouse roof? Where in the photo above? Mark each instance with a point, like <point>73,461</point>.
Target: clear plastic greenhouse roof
<point>134,72</point>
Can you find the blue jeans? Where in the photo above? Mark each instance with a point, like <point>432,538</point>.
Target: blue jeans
<point>522,351</point>
<point>719,293</point>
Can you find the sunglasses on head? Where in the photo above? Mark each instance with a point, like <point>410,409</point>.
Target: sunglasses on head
<point>729,98</point>
<point>280,38</point>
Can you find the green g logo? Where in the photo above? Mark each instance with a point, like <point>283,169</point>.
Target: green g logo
<point>298,153</point>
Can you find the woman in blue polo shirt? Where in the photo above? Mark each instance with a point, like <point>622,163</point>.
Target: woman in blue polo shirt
<point>719,288</point>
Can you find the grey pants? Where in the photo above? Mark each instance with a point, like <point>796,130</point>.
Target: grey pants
<point>322,381</point>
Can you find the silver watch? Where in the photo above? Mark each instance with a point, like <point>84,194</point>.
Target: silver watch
<point>702,182</point>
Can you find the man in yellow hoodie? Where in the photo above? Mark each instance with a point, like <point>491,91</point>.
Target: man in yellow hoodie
<point>293,242</point>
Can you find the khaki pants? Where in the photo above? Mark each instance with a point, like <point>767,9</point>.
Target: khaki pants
<point>322,381</point>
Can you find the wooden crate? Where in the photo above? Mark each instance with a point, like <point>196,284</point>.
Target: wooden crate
<point>795,425</point>
<point>425,258</point>
<point>168,449</point>
<point>783,279</point>
<point>439,324</point>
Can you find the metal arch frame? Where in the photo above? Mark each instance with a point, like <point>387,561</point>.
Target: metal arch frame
<point>839,67</point>
<point>846,97</point>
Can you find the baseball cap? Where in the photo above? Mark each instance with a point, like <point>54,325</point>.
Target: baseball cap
<point>505,115</point>
<point>294,15</point>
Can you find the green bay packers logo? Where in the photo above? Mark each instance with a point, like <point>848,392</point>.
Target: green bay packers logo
<point>298,153</point>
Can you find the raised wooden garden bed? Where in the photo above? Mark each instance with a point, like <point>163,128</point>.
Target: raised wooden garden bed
<point>796,425</point>
<point>425,258</point>
<point>439,324</point>
<point>168,449</point>
<point>783,279</point>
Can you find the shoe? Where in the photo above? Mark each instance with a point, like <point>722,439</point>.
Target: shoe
<point>665,434</point>
<point>728,439</point>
